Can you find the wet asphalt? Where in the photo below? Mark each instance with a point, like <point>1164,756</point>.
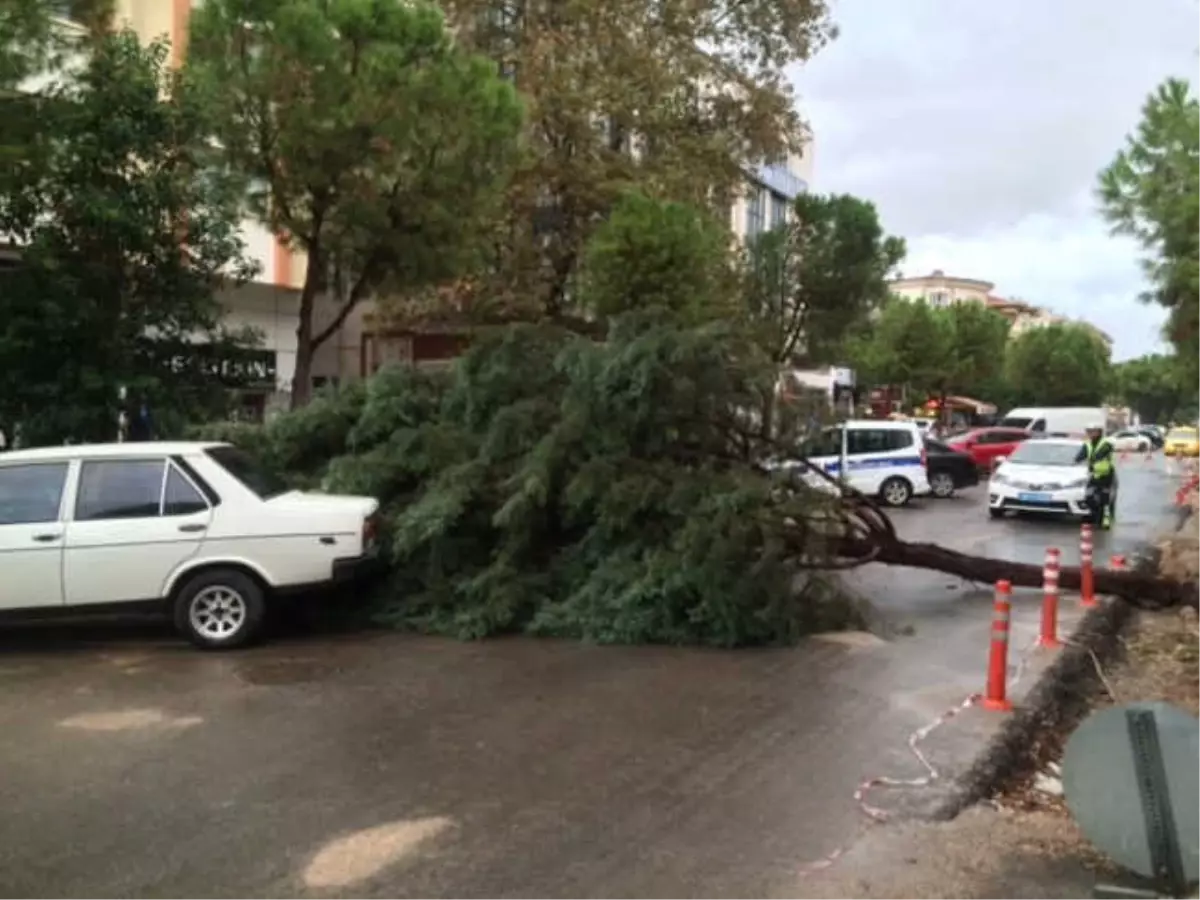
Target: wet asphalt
<point>380,764</point>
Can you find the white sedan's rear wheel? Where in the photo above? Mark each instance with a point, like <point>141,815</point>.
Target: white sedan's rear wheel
<point>220,609</point>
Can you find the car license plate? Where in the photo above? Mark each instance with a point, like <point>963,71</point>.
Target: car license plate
<point>1033,498</point>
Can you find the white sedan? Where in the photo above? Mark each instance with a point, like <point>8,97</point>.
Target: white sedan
<point>1041,476</point>
<point>1129,441</point>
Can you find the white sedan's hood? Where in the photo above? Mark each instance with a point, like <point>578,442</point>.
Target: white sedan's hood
<point>1041,478</point>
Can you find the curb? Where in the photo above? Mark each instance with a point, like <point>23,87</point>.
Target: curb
<point>1060,699</point>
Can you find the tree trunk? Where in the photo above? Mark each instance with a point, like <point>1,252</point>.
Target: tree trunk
<point>302,376</point>
<point>1140,589</point>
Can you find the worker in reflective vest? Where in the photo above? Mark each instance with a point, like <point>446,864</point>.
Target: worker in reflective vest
<point>1097,452</point>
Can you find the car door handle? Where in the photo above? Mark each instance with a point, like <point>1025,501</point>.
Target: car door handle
<point>194,527</point>
<point>46,538</point>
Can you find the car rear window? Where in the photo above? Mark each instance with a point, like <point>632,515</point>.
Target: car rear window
<point>248,471</point>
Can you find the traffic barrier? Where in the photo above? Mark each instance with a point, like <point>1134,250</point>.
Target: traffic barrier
<point>996,697</point>
<point>1087,593</point>
<point>1049,636</point>
<point>1189,484</point>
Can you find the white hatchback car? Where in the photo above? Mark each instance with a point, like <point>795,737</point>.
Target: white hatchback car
<point>1041,476</point>
<point>196,527</point>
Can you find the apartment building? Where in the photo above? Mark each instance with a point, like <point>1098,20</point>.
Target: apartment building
<point>940,289</point>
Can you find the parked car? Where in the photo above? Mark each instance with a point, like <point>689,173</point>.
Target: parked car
<point>948,469</point>
<point>883,459</point>
<point>986,445</point>
<point>197,530</point>
<point>1131,440</point>
<point>1154,434</point>
<point>1182,441</point>
<point>1042,476</point>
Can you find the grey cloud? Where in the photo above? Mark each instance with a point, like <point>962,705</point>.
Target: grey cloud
<point>978,129</point>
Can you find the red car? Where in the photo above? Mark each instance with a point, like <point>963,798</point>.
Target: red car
<point>986,445</point>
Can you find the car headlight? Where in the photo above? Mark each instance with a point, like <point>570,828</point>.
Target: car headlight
<point>997,478</point>
<point>1077,483</point>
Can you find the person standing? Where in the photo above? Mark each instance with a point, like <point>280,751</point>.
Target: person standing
<point>1098,452</point>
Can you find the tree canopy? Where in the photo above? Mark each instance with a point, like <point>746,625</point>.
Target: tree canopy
<point>815,279</point>
<point>1156,387</point>
<point>656,254</point>
<point>1057,365</point>
<point>621,96</point>
<point>909,343</point>
<point>369,140</point>
<point>127,234</point>
<point>1151,191</point>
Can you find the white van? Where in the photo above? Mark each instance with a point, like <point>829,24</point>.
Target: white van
<point>1065,421</point>
<point>883,459</point>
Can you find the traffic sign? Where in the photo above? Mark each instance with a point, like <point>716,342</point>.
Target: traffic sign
<point>1131,777</point>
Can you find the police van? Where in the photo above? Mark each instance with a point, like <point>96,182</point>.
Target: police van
<point>883,459</point>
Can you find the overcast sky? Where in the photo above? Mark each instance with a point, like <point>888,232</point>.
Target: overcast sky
<point>978,127</point>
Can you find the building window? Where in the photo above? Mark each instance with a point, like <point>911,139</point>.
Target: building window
<point>939,298</point>
<point>779,208</point>
<point>756,213</point>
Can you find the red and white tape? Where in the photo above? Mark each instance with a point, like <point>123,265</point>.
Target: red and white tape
<point>875,814</point>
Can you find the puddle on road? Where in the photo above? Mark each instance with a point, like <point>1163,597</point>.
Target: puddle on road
<point>356,857</point>
<point>128,720</point>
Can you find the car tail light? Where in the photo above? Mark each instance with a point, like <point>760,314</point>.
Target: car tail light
<point>370,532</point>
<point>924,457</point>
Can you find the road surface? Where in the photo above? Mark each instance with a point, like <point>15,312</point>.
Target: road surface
<point>392,765</point>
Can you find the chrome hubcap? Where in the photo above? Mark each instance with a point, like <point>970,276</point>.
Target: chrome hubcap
<point>942,484</point>
<point>896,493</point>
<point>217,612</point>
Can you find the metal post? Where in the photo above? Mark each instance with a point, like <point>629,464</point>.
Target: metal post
<point>1165,856</point>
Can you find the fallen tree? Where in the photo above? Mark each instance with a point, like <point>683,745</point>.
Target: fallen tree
<point>614,489</point>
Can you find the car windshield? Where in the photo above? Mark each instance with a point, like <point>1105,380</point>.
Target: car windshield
<point>1037,453</point>
<point>245,468</point>
<point>1181,434</point>
<point>1017,422</point>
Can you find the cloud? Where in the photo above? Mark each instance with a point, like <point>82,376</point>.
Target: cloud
<point>978,130</point>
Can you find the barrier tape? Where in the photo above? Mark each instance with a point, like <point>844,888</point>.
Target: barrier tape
<point>877,815</point>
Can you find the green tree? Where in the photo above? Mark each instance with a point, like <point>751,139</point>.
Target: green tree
<point>658,254</point>
<point>371,141</point>
<point>811,282</point>
<point>1156,387</point>
<point>978,340</point>
<point>1057,365</point>
<point>909,343</point>
<point>126,235</point>
<point>621,97</point>
<point>1151,191</point>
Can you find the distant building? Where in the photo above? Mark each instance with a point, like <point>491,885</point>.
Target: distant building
<point>940,289</point>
